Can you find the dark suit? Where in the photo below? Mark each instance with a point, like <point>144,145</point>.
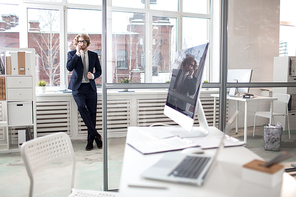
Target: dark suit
<point>85,94</point>
<point>186,88</point>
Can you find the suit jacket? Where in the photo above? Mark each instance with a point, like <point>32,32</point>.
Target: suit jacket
<point>188,87</point>
<point>74,63</point>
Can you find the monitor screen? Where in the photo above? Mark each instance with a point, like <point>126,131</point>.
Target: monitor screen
<point>182,99</point>
<point>239,76</point>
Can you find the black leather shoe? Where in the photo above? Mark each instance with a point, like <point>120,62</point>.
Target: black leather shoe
<point>89,145</point>
<point>98,140</point>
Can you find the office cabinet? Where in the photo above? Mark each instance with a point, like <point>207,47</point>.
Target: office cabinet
<point>17,97</point>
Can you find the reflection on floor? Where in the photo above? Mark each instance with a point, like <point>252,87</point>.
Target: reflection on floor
<point>89,172</point>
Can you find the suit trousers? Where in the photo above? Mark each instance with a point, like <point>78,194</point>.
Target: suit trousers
<point>86,100</point>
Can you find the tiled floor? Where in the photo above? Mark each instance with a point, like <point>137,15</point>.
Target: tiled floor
<point>89,172</point>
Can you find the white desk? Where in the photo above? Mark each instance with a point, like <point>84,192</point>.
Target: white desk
<point>246,101</point>
<point>224,179</point>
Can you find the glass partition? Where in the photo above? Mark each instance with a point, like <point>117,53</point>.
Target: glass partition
<point>261,42</point>
<point>253,38</point>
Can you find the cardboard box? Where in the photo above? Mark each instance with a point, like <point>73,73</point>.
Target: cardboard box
<point>8,65</point>
<point>254,172</point>
<point>21,63</point>
<point>2,88</point>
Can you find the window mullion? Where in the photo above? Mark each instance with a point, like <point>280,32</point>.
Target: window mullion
<point>148,66</point>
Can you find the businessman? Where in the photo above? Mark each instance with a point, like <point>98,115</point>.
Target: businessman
<point>85,67</point>
<point>185,83</point>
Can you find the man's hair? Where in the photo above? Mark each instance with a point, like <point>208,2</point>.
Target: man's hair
<point>84,36</point>
<point>189,59</point>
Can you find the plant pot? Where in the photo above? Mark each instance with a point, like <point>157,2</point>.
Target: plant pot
<point>42,89</point>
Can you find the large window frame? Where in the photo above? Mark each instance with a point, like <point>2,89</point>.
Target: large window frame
<point>149,13</point>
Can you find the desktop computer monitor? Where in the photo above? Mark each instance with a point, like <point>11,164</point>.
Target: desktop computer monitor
<point>239,76</point>
<point>183,95</point>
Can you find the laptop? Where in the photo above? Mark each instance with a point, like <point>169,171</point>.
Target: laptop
<point>185,168</point>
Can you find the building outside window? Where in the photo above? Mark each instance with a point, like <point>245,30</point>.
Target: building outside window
<point>121,59</point>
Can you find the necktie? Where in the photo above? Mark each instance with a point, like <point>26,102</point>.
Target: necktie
<point>85,71</point>
<point>181,80</point>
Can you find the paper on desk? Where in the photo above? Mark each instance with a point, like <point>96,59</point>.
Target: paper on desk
<point>153,145</point>
<point>213,141</point>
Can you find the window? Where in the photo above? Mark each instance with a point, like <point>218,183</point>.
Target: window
<point>196,6</point>
<point>121,59</point>
<point>44,37</point>
<point>9,26</point>
<point>128,47</point>
<point>129,3</point>
<point>88,2</point>
<point>99,52</point>
<point>148,57</point>
<point>85,21</point>
<point>195,31</point>
<point>166,5</point>
<point>164,45</point>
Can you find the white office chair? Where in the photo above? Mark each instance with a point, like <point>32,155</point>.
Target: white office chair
<point>43,150</point>
<point>283,99</point>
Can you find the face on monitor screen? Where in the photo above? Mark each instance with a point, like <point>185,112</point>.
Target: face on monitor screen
<point>187,71</point>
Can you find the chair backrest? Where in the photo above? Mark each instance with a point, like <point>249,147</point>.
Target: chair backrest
<point>282,97</point>
<point>43,150</point>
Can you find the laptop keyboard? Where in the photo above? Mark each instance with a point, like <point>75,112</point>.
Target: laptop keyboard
<point>190,167</point>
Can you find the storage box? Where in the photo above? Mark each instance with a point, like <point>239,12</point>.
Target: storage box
<point>20,113</point>
<point>254,172</point>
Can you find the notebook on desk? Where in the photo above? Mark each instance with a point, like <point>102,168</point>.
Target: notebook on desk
<point>157,140</point>
<point>150,144</point>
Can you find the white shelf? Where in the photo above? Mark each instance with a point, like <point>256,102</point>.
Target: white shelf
<point>19,94</point>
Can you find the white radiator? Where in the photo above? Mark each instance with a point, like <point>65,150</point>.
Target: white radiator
<point>123,110</point>
<point>118,118</point>
<point>53,116</point>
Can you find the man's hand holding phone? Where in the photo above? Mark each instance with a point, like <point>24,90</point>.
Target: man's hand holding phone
<point>78,48</point>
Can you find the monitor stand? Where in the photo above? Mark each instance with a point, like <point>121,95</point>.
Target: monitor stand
<point>201,131</point>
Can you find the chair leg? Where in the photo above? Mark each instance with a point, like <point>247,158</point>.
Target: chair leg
<point>288,121</point>
<point>254,125</point>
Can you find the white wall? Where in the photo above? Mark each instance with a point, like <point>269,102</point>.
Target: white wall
<point>253,36</point>
<point>253,42</point>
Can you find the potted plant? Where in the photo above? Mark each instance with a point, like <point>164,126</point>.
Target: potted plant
<point>206,81</point>
<point>42,84</point>
<point>126,80</point>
